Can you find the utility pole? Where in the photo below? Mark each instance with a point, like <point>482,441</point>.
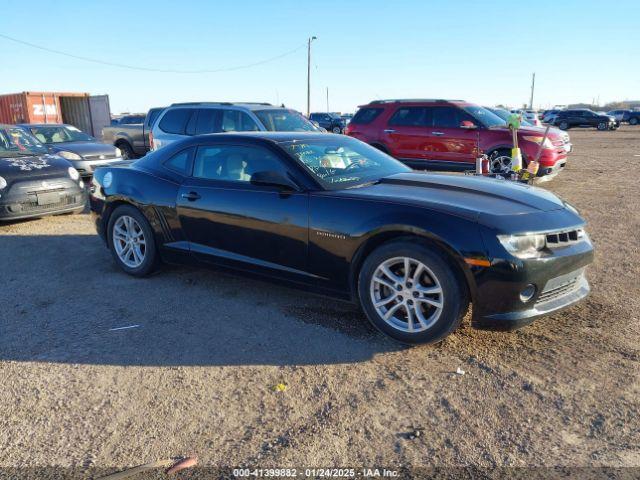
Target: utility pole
<point>311,39</point>
<point>327,99</point>
<point>533,85</point>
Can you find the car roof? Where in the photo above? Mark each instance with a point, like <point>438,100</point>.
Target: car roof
<point>276,137</point>
<point>247,105</point>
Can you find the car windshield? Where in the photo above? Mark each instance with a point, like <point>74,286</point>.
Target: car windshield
<point>16,142</point>
<point>485,117</point>
<point>341,162</point>
<point>282,120</point>
<point>503,114</point>
<point>60,134</point>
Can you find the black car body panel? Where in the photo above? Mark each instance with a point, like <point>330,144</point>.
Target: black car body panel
<point>38,185</point>
<point>317,238</point>
<point>583,118</point>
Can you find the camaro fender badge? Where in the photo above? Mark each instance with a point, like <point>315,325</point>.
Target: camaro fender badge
<point>337,236</point>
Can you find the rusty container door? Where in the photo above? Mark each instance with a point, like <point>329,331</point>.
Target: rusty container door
<point>43,107</point>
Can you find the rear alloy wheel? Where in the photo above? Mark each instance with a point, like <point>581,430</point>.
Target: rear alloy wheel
<point>131,241</point>
<point>602,126</point>
<point>411,293</point>
<point>563,126</point>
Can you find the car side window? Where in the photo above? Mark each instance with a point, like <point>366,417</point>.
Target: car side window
<point>449,117</point>
<point>411,117</point>
<point>175,121</point>
<point>237,121</point>
<point>235,163</point>
<point>179,162</point>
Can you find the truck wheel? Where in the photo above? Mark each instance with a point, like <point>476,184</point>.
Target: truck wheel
<point>633,121</point>
<point>127,151</point>
<point>411,293</point>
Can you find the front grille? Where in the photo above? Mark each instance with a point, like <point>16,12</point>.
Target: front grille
<point>559,291</point>
<point>32,206</point>
<point>565,238</point>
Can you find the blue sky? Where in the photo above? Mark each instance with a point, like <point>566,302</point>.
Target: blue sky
<point>481,51</point>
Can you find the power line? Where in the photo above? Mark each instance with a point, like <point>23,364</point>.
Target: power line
<point>148,69</point>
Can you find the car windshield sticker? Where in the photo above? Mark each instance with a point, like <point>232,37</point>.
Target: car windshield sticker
<point>28,164</point>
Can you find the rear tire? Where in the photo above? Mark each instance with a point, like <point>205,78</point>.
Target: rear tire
<point>563,126</point>
<point>422,307</point>
<point>132,234</point>
<point>127,151</point>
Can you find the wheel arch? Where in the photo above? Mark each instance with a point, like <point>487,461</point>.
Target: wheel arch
<point>433,242</point>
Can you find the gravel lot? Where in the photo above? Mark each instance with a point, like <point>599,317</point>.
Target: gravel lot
<point>197,375</point>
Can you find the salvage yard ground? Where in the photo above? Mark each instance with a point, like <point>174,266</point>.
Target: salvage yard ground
<point>196,374</point>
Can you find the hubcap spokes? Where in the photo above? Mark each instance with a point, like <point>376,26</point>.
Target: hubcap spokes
<point>501,164</point>
<point>406,294</point>
<point>129,241</point>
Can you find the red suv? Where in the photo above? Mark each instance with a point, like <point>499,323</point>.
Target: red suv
<point>446,134</point>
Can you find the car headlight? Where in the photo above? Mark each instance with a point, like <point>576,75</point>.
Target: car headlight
<point>546,144</point>
<point>73,173</point>
<point>3,183</point>
<point>524,246</point>
<point>118,152</point>
<point>70,155</point>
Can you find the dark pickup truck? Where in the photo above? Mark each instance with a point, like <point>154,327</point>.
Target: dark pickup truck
<point>132,139</point>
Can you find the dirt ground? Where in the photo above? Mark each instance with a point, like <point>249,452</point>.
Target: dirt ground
<point>196,375</point>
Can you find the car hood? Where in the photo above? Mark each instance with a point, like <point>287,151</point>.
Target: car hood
<point>83,148</point>
<point>532,130</point>
<point>477,198</point>
<point>13,168</point>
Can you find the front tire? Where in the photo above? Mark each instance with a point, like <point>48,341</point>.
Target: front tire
<point>411,293</point>
<point>564,126</point>
<point>336,130</point>
<point>603,126</point>
<point>633,121</point>
<point>131,241</point>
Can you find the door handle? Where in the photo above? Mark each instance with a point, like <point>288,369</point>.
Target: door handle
<point>437,133</point>
<point>191,196</point>
<point>389,130</point>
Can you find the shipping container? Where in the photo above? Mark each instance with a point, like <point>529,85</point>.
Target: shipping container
<point>89,113</point>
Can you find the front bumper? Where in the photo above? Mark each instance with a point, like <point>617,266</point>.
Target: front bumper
<point>30,199</point>
<point>558,278</point>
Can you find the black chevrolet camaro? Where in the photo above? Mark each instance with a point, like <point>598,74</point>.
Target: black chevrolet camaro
<point>333,215</point>
<point>34,183</point>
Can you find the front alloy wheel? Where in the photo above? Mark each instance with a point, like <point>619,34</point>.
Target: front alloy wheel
<point>336,130</point>
<point>410,291</point>
<point>406,294</point>
<point>500,162</point>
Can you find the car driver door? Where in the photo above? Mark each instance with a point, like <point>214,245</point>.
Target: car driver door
<point>231,221</point>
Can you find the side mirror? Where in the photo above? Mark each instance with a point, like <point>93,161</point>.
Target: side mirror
<point>469,125</point>
<point>273,179</point>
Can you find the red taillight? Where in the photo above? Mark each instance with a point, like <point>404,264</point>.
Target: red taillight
<point>151,140</point>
